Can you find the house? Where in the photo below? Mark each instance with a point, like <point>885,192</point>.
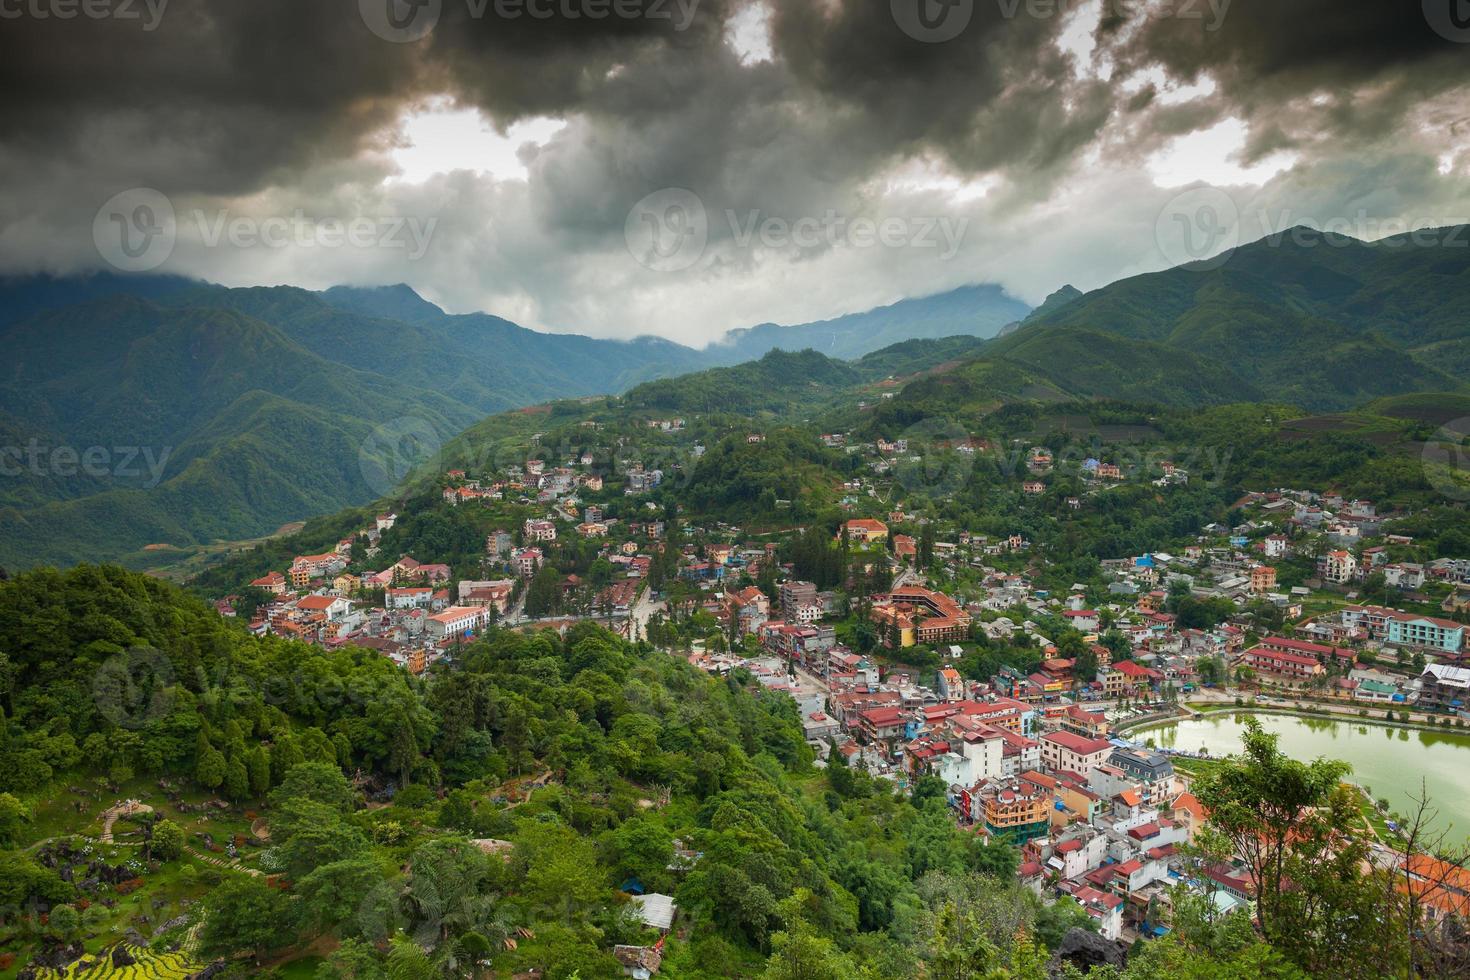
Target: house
<point>1131,678</point>
<point>456,621</point>
<point>1289,668</point>
<point>639,962</point>
<point>330,607</point>
<point>905,548</point>
<point>1339,567</point>
<point>1065,752</point>
<point>1083,620</point>
<point>304,568</point>
<point>912,615</point>
<point>1011,811</point>
<point>1084,722</point>
<point>539,529</point>
<point>951,685</point>
<point>1104,907</point>
<point>881,724</point>
<point>527,561</point>
<point>414,597</point>
<point>865,531</point>
<point>1407,629</point>
<point>748,609</point>
<point>1444,688</point>
<point>1263,579</point>
<point>494,594</point>
<point>1324,654</point>
<point>1152,771</point>
<point>656,911</point>
<point>273,582</point>
<point>818,726</point>
<point>795,595</point>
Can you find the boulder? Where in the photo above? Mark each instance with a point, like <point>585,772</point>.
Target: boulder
<point>1085,950</point>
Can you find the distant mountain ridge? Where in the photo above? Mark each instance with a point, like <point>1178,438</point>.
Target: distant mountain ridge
<point>976,311</point>
<point>1322,321</point>
<point>262,405</point>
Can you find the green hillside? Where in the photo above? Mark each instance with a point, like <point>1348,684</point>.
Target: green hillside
<point>1318,320</point>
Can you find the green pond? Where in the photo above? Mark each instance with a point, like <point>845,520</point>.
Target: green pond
<point>1391,762</point>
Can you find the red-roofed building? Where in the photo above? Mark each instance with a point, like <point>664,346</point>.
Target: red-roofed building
<point>273,582</point>
<point>882,724</point>
<point>1067,752</point>
<point>1285,668</point>
<point>864,530</point>
<point>1321,652</point>
<point>1104,907</point>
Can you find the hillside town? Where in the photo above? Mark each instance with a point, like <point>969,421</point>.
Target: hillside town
<point>1043,743</point>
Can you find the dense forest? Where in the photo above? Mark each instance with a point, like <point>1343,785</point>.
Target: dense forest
<point>604,769</point>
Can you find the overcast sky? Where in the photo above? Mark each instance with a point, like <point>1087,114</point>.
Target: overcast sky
<point>682,167</point>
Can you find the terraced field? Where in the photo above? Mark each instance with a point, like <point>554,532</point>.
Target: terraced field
<point>148,966</point>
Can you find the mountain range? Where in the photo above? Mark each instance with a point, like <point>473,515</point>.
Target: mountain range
<point>1317,320</point>
<point>238,410</point>
<point>147,411</point>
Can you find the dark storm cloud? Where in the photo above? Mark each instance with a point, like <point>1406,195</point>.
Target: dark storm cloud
<point>1366,62</point>
<point>293,103</point>
<point>997,94</point>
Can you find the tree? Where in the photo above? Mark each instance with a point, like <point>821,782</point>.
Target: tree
<point>543,595</point>
<point>800,952</point>
<point>318,782</point>
<point>310,834</point>
<point>237,780</point>
<point>333,892</point>
<point>1298,830</point>
<point>641,848</point>
<point>258,767</point>
<point>563,871</point>
<point>1057,919</point>
<point>246,913</point>
<point>352,960</point>
<point>64,921</point>
<point>210,771</point>
<point>14,815</point>
<point>166,841</point>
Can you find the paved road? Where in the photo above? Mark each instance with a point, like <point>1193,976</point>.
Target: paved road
<point>1348,709</point>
